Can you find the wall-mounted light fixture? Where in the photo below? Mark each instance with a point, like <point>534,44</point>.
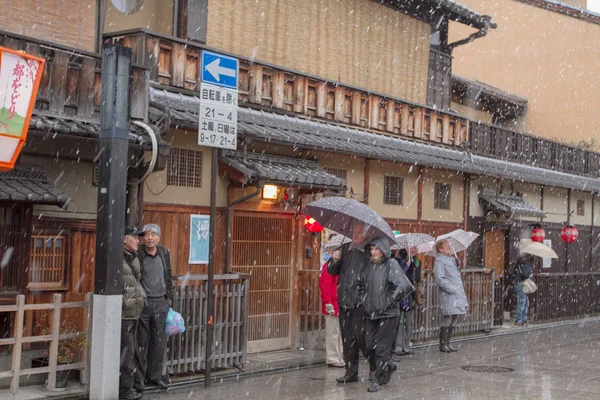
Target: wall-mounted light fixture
<point>270,192</point>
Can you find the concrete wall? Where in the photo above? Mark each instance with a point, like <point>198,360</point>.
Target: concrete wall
<point>549,58</point>
<point>355,42</point>
<point>68,22</point>
<point>155,15</point>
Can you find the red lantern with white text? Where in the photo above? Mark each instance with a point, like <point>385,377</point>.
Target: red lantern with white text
<point>312,225</point>
<point>569,234</point>
<point>538,234</point>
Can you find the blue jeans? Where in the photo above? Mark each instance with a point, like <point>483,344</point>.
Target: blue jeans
<point>522,305</point>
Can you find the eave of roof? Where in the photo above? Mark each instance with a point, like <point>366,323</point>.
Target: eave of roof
<point>29,184</point>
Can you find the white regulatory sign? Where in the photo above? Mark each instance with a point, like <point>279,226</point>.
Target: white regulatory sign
<point>218,117</point>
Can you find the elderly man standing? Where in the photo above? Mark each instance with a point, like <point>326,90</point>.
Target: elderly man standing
<point>134,300</point>
<point>349,267</point>
<point>157,282</point>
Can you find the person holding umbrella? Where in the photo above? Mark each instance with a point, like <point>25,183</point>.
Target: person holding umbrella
<point>453,300</point>
<point>521,273</point>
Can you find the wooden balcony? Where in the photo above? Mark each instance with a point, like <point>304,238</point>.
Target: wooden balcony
<point>175,63</point>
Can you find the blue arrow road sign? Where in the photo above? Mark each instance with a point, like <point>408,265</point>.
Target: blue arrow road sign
<point>219,69</point>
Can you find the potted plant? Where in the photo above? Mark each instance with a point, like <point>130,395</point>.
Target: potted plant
<point>68,351</point>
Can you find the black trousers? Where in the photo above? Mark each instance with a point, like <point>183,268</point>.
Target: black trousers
<point>151,341</point>
<point>352,328</point>
<point>380,336</point>
<point>128,358</point>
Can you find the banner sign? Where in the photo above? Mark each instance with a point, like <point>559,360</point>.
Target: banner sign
<point>199,237</point>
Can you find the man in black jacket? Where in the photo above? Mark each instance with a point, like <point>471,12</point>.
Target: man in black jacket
<point>349,268</point>
<point>157,282</point>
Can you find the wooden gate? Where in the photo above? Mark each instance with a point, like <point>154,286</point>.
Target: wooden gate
<point>495,258</point>
<point>262,247</point>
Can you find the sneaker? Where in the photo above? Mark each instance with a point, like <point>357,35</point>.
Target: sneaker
<point>375,387</point>
<point>347,379</point>
<point>336,365</point>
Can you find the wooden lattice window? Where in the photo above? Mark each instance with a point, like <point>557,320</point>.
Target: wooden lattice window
<point>442,196</point>
<point>392,190</point>
<point>581,207</point>
<point>48,262</point>
<point>184,168</point>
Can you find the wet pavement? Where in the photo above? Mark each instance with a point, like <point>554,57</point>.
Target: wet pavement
<point>556,363</point>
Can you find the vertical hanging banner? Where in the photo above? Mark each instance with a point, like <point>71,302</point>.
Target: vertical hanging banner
<point>20,76</point>
<point>199,238</point>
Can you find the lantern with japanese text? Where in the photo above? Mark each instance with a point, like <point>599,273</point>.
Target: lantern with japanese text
<point>538,234</point>
<point>569,234</point>
<point>20,76</point>
<point>312,225</point>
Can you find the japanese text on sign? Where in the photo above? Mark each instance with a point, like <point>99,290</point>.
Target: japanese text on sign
<point>218,117</point>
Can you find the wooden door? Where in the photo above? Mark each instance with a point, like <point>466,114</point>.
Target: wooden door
<point>495,250</point>
<point>262,246</point>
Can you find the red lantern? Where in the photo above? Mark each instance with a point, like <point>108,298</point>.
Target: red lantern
<point>312,225</point>
<point>538,234</point>
<point>569,234</point>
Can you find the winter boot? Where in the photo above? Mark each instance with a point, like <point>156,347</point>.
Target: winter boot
<point>443,335</point>
<point>449,331</point>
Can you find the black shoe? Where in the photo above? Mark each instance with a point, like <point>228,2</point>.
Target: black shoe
<point>347,379</point>
<point>391,368</point>
<point>160,385</point>
<point>443,345</point>
<point>375,387</point>
<point>130,395</point>
<point>448,337</point>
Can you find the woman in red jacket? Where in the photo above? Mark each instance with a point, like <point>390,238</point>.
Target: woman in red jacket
<point>333,339</point>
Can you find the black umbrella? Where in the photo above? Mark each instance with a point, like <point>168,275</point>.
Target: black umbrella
<point>341,214</point>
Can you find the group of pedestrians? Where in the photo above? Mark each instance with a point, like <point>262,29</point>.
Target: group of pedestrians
<point>147,296</point>
<point>371,291</point>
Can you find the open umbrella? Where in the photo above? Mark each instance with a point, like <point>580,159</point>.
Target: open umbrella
<point>459,240</point>
<point>408,240</point>
<point>536,249</point>
<point>341,215</point>
<point>336,242</point>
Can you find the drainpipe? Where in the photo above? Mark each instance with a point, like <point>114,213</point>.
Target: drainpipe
<point>230,220</point>
<point>592,234</point>
<point>479,34</point>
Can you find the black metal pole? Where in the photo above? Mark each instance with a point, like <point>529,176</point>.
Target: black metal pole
<point>210,303</point>
<point>113,148</point>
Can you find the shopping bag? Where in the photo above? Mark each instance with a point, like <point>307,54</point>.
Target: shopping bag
<point>175,323</point>
<point>529,286</point>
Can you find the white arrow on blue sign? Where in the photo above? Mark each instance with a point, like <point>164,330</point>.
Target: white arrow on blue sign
<point>219,69</point>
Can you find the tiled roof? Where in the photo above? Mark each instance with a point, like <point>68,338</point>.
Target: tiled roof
<point>514,205</point>
<point>285,171</point>
<point>30,185</point>
<point>310,134</point>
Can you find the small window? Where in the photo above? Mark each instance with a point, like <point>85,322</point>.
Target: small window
<point>392,190</point>
<point>581,207</point>
<point>184,168</point>
<point>338,173</point>
<point>442,196</point>
<point>48,263</point>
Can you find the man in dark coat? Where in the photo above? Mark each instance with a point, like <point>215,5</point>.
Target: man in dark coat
<point>348,267</point>
<point>134,300</point>
<point>158,283</point>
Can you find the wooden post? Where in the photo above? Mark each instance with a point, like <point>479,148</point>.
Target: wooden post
<point>299,94</point>
<point>367,179</point>
<point>339,97</point>
<point>85,371</point>
<point>277,88</point>
<point>17,348</point>
<point>389,116</point>
<point>256,78</point>
<point>322,99</point>
<point>420,199</point>
<point>356,105</point>
<point>53,357</point>
<point>404,116</point>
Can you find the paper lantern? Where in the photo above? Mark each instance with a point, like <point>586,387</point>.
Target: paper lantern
<point>569,234</point>
<point>20,76</point>
<point>538,234</point>
<point>312,225</point>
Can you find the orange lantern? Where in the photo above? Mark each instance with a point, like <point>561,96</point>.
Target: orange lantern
<point>569,234</point>
<point>312,225</point>
<point>20,76</point>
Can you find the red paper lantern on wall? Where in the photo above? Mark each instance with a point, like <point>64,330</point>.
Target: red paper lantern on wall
<point>538,234</point>
<point>569,234</point>
<point>312,225</point>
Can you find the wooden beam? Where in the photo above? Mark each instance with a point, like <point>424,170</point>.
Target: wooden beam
<point>356,106</point>
<point>256,78</point>
<point>390,114</point>
<point>277,89</point>
<point>322,99</point>
<point>338,110</point>
<point>299,94</point>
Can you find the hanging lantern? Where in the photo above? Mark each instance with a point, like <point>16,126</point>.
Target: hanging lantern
<point>538,234</point>
<point>312,225</point>
<point>569,234</point>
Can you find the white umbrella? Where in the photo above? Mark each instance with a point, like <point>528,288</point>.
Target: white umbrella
<point>336,242</point>
<point>408,240</point>
<point>459,240</point>
<point>536,249</point>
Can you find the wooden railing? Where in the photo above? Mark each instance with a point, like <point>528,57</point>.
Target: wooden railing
<point>565,295</point>
<point>497,142</point>
<point>54,336</point>
<point>175,63</point>
<point>186,352</point>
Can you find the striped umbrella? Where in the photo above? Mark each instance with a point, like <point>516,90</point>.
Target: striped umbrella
<point>408,240</point>
<point>336,242</point>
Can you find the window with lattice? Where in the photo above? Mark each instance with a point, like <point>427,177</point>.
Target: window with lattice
<point>581,207</point>
<point>392,190</point>
<point>184,168</point>
<point>338,173</point>
<point>442,196</point>
<point>48,262</point>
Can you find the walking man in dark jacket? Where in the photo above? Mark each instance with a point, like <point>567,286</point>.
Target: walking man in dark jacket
<point>157,282</point>
<point>134,300</point>
<point>349,267</point>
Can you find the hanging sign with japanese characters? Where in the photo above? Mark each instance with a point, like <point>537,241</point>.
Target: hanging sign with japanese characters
<point>218,101</point>
<point>199,238</point>
<point>20,76</point>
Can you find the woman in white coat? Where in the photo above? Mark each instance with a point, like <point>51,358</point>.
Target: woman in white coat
<point>453,300</point>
